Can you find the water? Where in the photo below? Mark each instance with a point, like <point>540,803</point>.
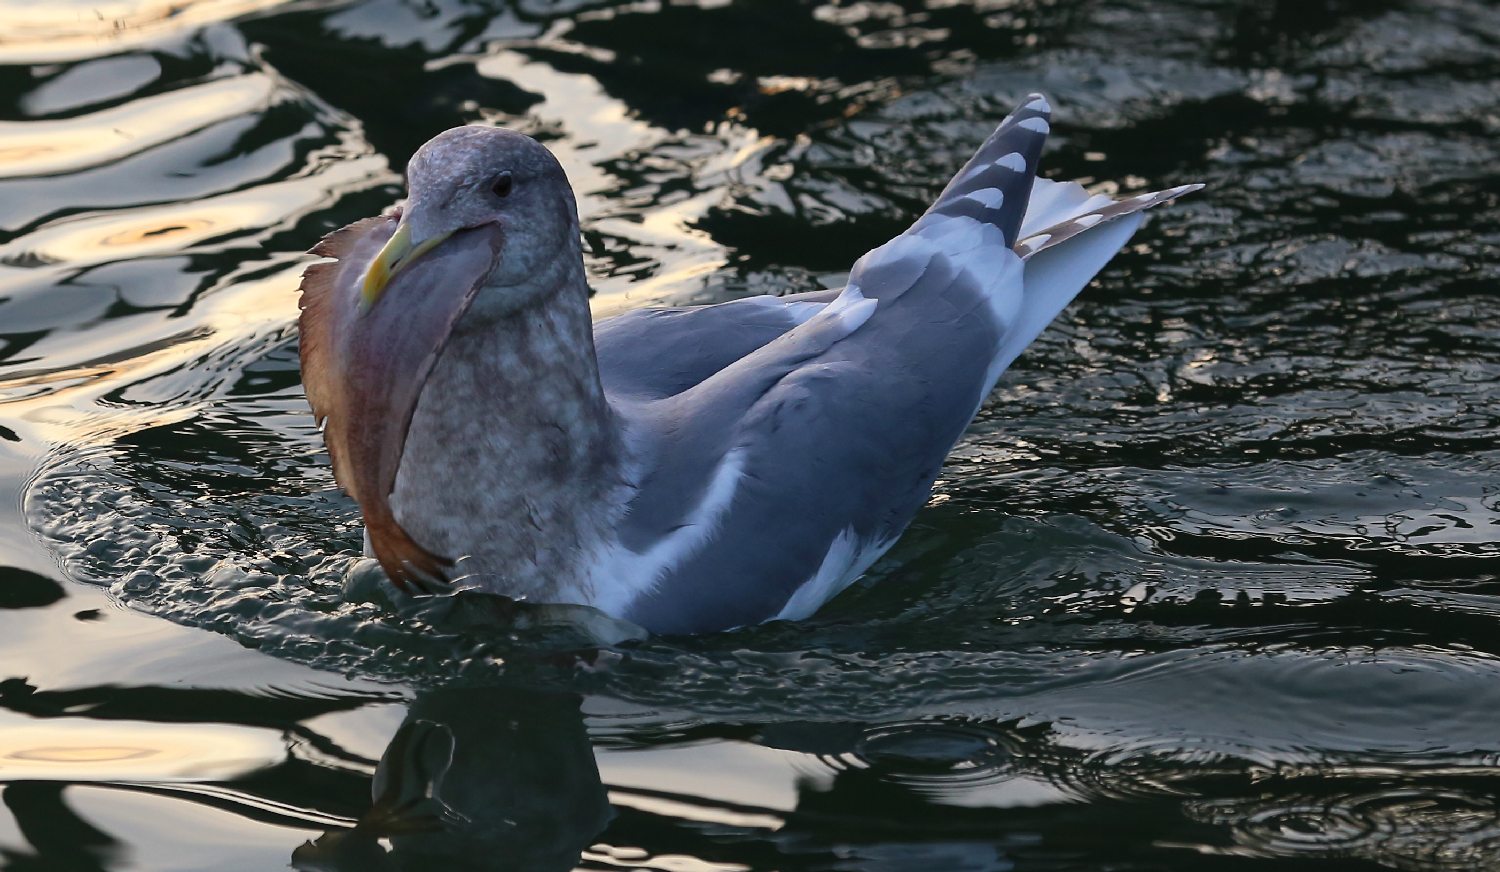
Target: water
<point>1210,584</point>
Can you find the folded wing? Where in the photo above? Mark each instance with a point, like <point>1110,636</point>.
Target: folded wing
<point>777,466</point>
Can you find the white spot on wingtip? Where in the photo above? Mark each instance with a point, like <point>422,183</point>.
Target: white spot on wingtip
<point>1039,103</point>
<point>1012,161</point>
<point>988,197</point>
<point>1035,125</point>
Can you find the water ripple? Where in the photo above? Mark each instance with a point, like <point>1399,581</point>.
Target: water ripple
<point>1220,551</point>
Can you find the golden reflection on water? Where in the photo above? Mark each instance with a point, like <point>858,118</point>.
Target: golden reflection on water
<point>137,235</point>
<point>64,411</point>
<point>78,749</point>
<point>114,235</point>
<point>139,232</point>
<point>38,148</point>
<point>44,31</point>
<point>101,754</point>
<point>56,404</point>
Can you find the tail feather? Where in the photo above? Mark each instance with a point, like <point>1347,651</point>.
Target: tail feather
<point>1055,202</point>
<point>1067,237</point>
<point>1062,213</point>
<point>1054,277</point>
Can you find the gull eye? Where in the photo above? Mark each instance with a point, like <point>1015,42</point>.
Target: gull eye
<point>502,185</point>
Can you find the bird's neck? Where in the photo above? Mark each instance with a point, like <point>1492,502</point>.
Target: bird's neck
<point>512,462</point>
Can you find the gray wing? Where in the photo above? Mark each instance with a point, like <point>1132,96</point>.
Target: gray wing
<point>799,460</point>
<point>775,473</point>
<point>824,442</point>
<point>650,354</point>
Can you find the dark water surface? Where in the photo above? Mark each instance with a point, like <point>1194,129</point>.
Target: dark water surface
<point>1213,582</point>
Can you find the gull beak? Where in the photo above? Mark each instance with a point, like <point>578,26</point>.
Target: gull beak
<point>398,252</point>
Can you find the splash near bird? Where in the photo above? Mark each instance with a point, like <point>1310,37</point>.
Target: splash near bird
<point>686,469</point>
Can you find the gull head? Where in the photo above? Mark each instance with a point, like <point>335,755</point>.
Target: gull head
<point>488,181</point>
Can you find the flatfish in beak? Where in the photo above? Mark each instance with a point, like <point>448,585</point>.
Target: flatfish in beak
<point>366,357</point>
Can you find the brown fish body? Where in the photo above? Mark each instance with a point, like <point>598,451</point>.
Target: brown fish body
<point>364,371</point>
<point>448,354</point>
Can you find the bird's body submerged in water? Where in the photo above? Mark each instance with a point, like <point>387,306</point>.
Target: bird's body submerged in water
<point>688,470</point>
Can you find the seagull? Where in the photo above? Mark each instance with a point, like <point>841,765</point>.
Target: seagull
<point>687,470</point>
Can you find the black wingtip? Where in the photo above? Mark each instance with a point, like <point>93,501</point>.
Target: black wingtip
<point>1007,163</point>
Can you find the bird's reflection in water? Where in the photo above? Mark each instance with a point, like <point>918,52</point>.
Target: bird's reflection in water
<point>476,779</point>
<point>499,778</point>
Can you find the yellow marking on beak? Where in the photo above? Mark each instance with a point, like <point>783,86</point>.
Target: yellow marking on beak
<point>397,253</point>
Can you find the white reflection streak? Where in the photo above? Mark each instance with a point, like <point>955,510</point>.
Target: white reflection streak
<point>59,30</point>
<point>35,148</point>
<point>151,230</point>
<point>301,814</point>
<point>75,750</point>
<point>685,810</point>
